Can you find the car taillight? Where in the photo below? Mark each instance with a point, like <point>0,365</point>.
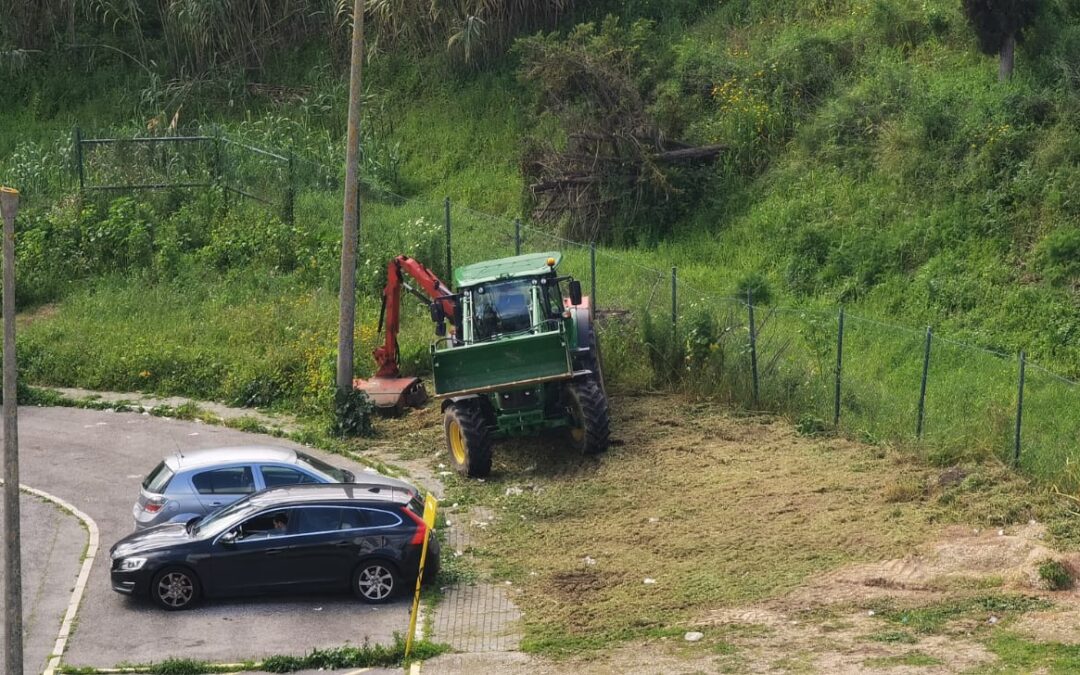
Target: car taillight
<point>421,526</point>
<point>154,504</point>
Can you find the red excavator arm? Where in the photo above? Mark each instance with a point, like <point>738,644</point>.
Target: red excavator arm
<point>387,388</point>
<point>386,356</point>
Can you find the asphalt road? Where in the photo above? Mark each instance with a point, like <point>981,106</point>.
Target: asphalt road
<point>96,460</point>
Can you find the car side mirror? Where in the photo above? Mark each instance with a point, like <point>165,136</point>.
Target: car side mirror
<point>229,538</point>
<point>575,292</point>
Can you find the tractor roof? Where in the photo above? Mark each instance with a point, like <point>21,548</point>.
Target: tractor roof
<point>530,264</point>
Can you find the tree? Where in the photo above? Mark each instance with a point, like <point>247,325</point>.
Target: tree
<point>998,24</point>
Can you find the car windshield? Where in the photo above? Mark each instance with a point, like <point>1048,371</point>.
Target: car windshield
<point>158,479</point>
<point>222,519</point>
<point>339,475</point>
<point>501,307</point>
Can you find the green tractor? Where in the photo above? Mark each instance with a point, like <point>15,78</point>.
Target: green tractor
<point>521,356</point>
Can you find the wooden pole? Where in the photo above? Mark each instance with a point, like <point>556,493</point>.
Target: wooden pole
<point>13,661</point>
<point>350,228</point>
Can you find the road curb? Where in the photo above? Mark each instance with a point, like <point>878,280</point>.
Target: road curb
<point>80,584</point>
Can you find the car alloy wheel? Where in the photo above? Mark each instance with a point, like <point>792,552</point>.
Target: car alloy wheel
<point>175,589</point>
<point>375,582</point>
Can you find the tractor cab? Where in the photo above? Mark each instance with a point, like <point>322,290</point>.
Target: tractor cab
<point>512,296</point>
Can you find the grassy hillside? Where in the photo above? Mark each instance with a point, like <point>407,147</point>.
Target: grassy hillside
<point>873,160</point>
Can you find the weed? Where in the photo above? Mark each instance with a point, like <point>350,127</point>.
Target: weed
<point>894,637</point>
<point>913,658</point>
<point>1056,575</point>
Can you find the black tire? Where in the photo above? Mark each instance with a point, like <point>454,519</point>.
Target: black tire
<point>589,421</point>
<point>175,588</point>
<point>467,440</point>
<point>376,582</point>
<point>592,360</point>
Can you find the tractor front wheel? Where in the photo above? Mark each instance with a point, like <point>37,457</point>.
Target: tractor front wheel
<point>589,421</point>
<point>468,440</point>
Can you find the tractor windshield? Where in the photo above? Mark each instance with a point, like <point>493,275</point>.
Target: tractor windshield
<point>501,307</point>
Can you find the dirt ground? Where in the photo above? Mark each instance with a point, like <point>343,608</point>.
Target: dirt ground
<point>786,553</point>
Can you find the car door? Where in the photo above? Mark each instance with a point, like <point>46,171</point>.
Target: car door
<point>256,559</point>
<point>222,486</point>
<point>321,555</point>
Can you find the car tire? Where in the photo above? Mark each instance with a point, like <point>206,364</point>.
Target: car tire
<point>467,440</point>
<point>376,582</point>
<point>175,588</point>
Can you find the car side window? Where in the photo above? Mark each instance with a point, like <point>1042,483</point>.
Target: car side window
<point>283,475</point>
<point>235,480</point>
<point>354,519</point>
<point>380,519</point>
<point>313,519</point>
<point>267,524</point>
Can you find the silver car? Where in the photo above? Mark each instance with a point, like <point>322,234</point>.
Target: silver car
<point>197,482</point>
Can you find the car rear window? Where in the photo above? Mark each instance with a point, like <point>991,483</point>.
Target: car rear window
<point>158,479</point>
<point>339,475</point>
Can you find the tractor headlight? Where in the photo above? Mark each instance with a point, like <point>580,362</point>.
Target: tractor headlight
<point>132,564</point>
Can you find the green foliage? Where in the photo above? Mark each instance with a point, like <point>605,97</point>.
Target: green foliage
<point>754,287</point>
<point>251,237</point>
<point>1060,255</point>
<point>666,352</point>
<point>352,414</point>
<point>808,425</point>
<point>933,619</point>
<point>1056,574</point>
<point>366,656</point>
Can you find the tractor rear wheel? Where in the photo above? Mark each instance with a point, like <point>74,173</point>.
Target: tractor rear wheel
<point>589,421</point>
<point>468,440</point>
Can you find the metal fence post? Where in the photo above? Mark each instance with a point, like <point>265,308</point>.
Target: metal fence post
<point>79,158</point>
<point>1019,409</point>
<point>449,268</point>
<point>290,191</point>
<point>517,236</point>
<point>674,298</point>
<point>839,368</point>
<point>592,275</point>
<point>922,389</point>
<point>753,344</point>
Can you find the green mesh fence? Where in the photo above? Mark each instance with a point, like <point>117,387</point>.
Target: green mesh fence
<point>970,401</point>
<point>1050,433</point>
<point>882,371</point>
<point>797,361</point>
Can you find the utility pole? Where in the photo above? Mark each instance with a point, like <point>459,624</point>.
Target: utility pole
<point>350,224</point>
<point>13,661</point>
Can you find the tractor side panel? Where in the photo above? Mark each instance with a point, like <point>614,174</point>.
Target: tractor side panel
<point>504,363</point>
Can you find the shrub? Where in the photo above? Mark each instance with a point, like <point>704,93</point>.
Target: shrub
<point>251,237</point>
<point>754,286</point>
<point>1059,255</point>
<point>1056,575</point>
<point>418,238</point>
